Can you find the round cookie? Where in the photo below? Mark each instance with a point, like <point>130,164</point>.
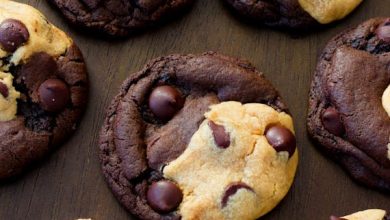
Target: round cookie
<point>370,214</point>
<point>43,87</point>
<point>293,14</point>
<point>117,17</point>
<point>198,137</point>
<point>347,107</point>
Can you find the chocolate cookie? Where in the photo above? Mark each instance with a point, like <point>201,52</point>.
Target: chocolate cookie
<point>370,214</point>
<point>293,14</point>
<point>198,137</point>
<point>43,87</point>
<point>118,17</point>
<point>349,102</point>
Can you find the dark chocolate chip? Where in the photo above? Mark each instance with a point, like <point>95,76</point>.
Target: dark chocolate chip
<point>281,138</point>
<point>165,101</point>
<point>164,196</point>
<point>336,218</point>
<point>13,34</point>
<point>331,120</point>
<point>54,95</point>
<point>231,190</point>
<point>4,90</point>
<point>221,137</point>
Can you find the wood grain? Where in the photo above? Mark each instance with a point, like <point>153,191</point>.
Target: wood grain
<point>69,184</point>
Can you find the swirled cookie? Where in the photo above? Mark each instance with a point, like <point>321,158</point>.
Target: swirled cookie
<point>198,137</point>
<point>43,87</point>
<point>349,102</point>
<point>293,14</point>
<point>118,17</point>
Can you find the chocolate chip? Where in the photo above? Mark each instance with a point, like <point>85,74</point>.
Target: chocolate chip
<point>165,101</point>
<point>281,138</point>
<point>336,218</point>
<point>13,34</point>
<point>164,196</point>
<point>221,137</point>
<point>383,33</point>
<point>331,120</point>
<point>54,95</point>
<point>231,190</point>
<point>4,90</point>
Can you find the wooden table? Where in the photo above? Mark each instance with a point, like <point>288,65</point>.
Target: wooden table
<point>69,184</point>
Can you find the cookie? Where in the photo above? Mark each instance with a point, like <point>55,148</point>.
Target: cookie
<point>370,214</point>
<point>120,18</point>
<point>293,14</point>
<point>348,108</point>
<point>198,137</point>
<point>43,87</point>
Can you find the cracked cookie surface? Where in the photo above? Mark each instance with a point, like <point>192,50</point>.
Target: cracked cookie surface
<point>43,87</point>
<point>293,14</point>
<point>346,115</point>
<point>120,17</point>
<point>150,125</point>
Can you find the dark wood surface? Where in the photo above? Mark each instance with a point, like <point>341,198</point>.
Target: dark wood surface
<point>69,184</point>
